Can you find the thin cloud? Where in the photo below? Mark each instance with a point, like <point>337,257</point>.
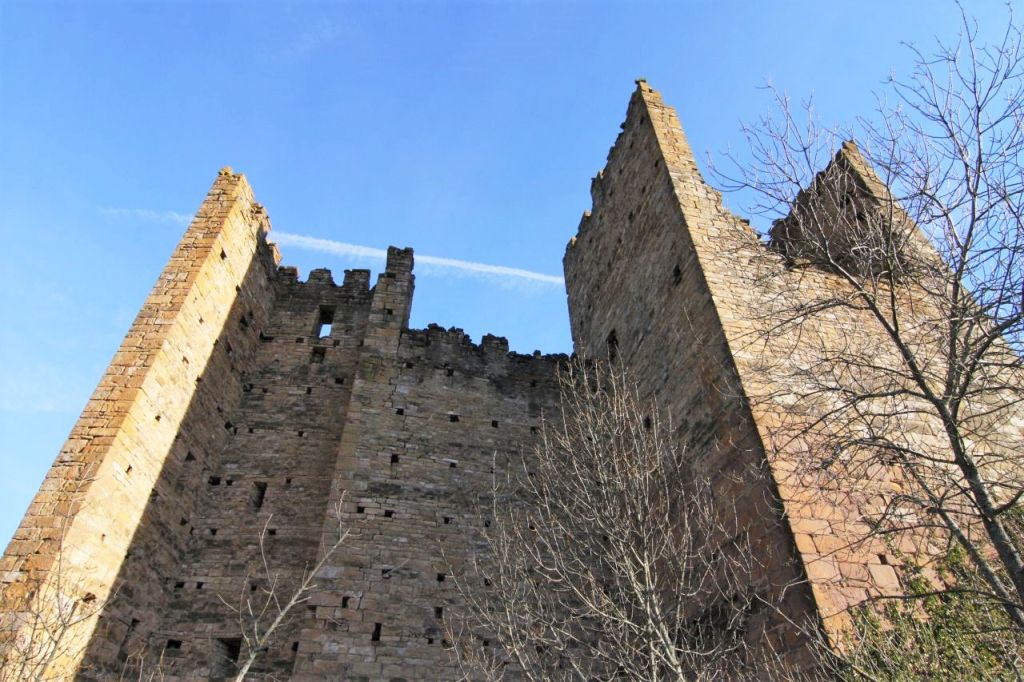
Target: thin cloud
<point>171,217</point>
<point>428,264</point>
<point>332,247</point>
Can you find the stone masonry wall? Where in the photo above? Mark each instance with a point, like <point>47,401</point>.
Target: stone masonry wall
<point>102,533</point>
<point>639,292</point>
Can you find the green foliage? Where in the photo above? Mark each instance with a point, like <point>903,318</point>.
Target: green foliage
<point>955,634</point>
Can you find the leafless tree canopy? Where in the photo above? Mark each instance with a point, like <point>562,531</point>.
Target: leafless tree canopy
<point>910,244</point>
<point>604,555</point>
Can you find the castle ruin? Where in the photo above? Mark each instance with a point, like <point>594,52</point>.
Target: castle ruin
<point>243,399</point>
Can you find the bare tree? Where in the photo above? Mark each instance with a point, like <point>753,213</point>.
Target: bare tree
<point>890,338</point>
<point>263,614</point>
<point>45,621</point>
<point>604,555</point>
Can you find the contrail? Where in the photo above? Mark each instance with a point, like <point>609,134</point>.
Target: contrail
<point>149,214</point>
<point>334,248</point>
<point>352,250</point>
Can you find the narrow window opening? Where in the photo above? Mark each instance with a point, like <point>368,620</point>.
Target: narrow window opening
<point>438,612</point>
<point>325,322</point>
<point>677,276</point>
<point>647,423</point>
<point>375,637</point>
<point>287,481</point>
<point>295,646</point>
<point>344,602</point>
<point>613,346</point>
<point>259,491</point>
<point>309,390</point>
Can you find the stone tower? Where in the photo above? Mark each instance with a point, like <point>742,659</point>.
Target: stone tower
<point>246,404</point>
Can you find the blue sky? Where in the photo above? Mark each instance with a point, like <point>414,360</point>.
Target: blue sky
<point>467,130</point>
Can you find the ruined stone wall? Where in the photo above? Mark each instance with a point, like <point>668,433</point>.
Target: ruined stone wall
<point>640,292</point>
<point>103,532</point>
<point>251,428</point>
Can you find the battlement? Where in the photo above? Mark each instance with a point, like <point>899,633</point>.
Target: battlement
<point>244,398</point>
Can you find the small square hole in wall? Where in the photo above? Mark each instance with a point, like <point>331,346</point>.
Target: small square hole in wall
<point>494,423</point>
<point>183,521</point>
<point>447,520</point>
<point>534,430</point>
<point>409,365</point>
<point>452,465</point>
<point>223,255</point>
<point>213,531</point>
<point>265,338</point>
<point>388,513</point>
<point>339,380</point>
<point>287,481</point>
<point>360,510</point>
<point>400,411</point>
<point>344,602</point>
<point>440,577</point>
<point>295,646</point>
<point>389,311</point>
<point>300,434</point>
<point>199,585</point>
<point>318,355</point>
<point>309,390</point>
<point>300,339</point>
<point>214,480</point>
<point>271,531</point>
<point>229,482</point>
<point>394,459</point>
<point>189,457</point>
<point>179,584</point>
<point>173,644</point>
<point>453,417</point>
<point>450,372</point>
